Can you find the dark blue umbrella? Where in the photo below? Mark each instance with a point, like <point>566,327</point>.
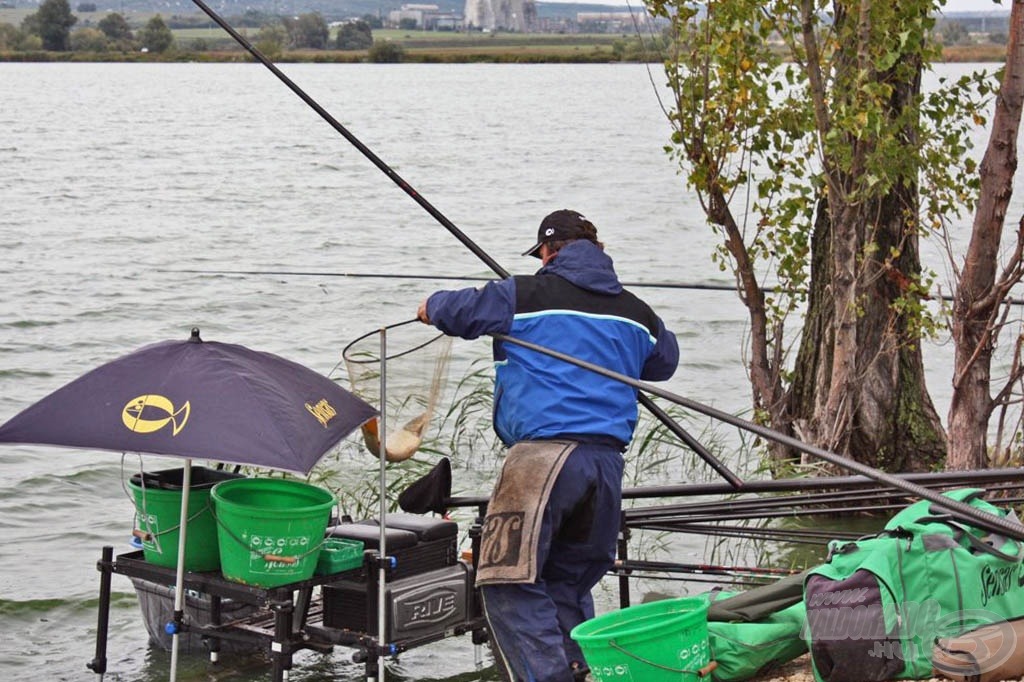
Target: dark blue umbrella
<point>196,399</point>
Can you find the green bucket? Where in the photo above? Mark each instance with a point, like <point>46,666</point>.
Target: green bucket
<point>663,641</point>
<point>270,530</point>
<point>158,516</point>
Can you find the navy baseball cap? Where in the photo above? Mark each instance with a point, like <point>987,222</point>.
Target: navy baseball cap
<point>561,225</point>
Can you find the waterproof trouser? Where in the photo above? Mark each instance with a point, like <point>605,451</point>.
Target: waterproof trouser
<point>530,622</point>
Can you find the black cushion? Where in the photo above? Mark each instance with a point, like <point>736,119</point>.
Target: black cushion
<point>370,535</point>
<point>425,527</point>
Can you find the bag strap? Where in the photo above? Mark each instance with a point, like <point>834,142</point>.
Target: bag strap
<point>978,545</point>
<point>965,495</point>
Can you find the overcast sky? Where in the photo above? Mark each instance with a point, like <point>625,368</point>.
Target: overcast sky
<point>976,6</point>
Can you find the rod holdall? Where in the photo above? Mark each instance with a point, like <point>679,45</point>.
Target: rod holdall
<point>878,605</point>
<point>754,632</point>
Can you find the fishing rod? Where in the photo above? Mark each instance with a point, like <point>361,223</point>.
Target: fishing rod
<point>479,278</point>
<point>641,564</point>
<point>823,502</point>
<point>954,479</point>
<point>437,215</point>
<point>962,511</point>
<point>730,477</point>
<point>458,278</point>
<point>774,486</point>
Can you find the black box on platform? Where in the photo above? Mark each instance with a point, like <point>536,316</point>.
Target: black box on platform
<point>420,605</point>
<point>417,544</point>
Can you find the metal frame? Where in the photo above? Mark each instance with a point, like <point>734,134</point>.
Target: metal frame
<point>289,617</point>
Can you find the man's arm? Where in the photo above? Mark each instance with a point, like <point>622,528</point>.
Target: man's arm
<point>663,360</point>
<point>469,313</point>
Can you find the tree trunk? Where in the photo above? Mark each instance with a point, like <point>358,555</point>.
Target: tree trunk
<point>815,352</point>
<point>978,296</point>
<point>891,421</point>
<point>896,427</point>
<point>859,386</point>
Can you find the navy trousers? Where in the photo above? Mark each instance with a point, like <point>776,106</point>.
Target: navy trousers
<point>530,622</point>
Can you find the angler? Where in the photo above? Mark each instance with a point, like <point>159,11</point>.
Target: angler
<point>552,522</point>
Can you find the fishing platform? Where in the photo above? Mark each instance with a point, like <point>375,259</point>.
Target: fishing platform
<point>428,590</point>
<point>428,587</point>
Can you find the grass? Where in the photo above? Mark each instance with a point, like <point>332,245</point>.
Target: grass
<point>443,47</point>
<point>414,39</point>
<point>982,52</point>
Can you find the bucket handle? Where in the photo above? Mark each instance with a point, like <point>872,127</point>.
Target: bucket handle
<point>269,558</point>
<point>700,672</point>
<point>149,535</point>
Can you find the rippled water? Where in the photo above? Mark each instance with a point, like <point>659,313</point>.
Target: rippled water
<point>119,179</point>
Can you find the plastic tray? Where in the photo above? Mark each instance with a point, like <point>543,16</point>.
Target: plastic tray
<point>339,554</point>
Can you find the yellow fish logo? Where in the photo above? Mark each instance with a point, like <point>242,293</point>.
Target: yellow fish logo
<point>150,413</point>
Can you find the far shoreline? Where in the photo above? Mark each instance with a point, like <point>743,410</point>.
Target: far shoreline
<point>526,54</point>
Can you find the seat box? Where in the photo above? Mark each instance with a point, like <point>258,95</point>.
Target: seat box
<point>417,606</point>
<point>426,528</point>
<point>417,544</point>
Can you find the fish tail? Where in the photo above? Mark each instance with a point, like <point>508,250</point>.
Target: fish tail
<point>182,413</point>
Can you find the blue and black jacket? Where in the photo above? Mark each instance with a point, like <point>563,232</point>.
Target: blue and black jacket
<point>576,305</point>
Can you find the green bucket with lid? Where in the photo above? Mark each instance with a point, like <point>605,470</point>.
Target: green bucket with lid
<point>157,496</point>
<point>270,530</point>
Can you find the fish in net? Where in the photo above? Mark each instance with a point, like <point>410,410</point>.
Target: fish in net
<point>417,372</point>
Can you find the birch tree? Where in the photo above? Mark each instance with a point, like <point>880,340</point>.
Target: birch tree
<point>803,128</point>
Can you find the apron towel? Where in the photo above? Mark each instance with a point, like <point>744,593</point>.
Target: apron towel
<point>508,553</point>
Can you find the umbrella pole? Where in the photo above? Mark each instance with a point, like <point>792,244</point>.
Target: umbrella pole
<point>179,579</point>
<point>381,572</point>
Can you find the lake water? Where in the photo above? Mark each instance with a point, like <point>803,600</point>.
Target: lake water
<point>118,179</point>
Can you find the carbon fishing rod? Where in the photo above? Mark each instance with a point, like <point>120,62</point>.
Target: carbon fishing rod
<point>729,476</point>
<point>994,480</point>
<point>962,511</point>
<point>953,479</point>
<point>460,278</point>
<point>478,278</point>
<point>732,479</point>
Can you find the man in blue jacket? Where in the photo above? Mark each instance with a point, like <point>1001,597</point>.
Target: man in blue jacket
<point>553,521</point>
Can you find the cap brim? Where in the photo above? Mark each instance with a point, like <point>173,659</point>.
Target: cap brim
<point>534,250</point>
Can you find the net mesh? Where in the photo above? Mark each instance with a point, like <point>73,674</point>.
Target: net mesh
<point>417,373</point>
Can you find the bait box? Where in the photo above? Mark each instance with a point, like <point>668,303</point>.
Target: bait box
<point>338,555</point>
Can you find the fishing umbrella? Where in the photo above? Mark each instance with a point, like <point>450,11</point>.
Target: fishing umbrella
<point>196,399</point>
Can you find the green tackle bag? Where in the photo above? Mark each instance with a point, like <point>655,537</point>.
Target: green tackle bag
<point>877,606</point>
<point>751,633</point>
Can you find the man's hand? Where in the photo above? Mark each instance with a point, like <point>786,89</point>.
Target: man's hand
<point>421,313</point>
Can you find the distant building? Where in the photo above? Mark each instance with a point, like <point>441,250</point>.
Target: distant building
<point>448,21</point>
<point>503,15</point>
<point>612,22</point>
<point>426,17</point>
